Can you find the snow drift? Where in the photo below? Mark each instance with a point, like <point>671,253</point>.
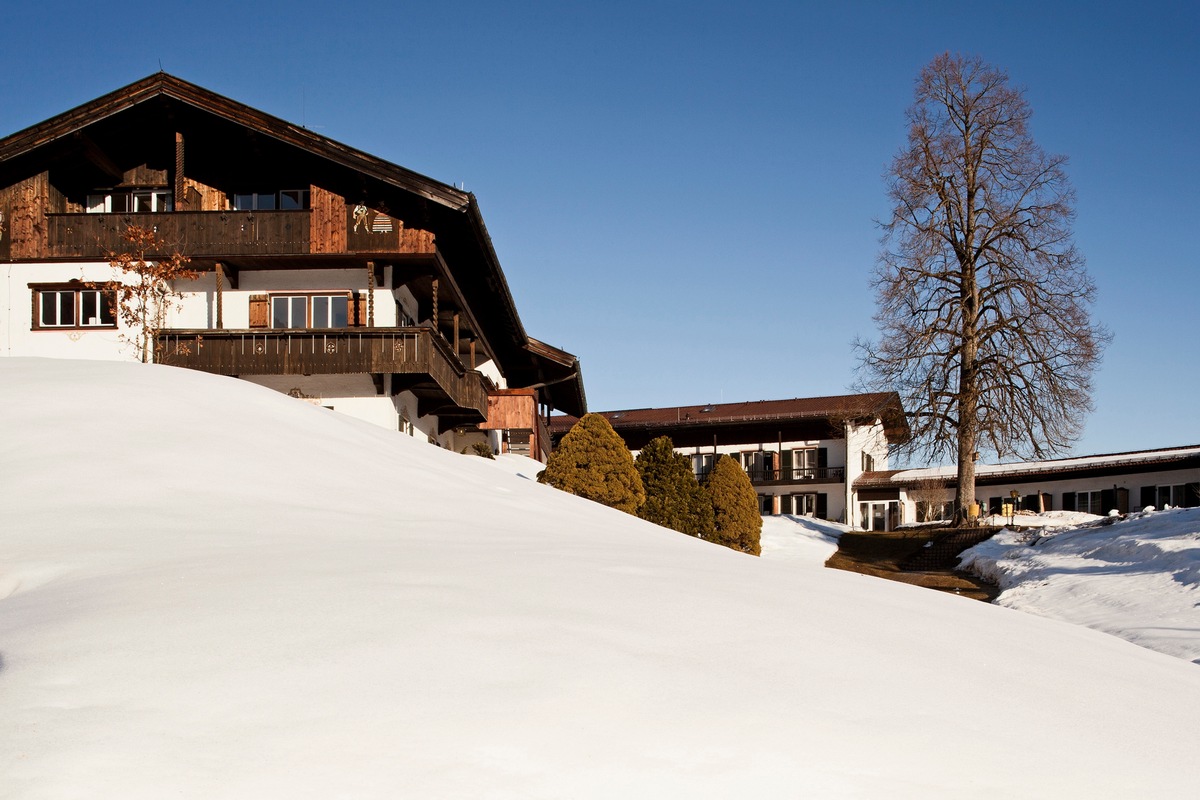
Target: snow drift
<point>213,590</point>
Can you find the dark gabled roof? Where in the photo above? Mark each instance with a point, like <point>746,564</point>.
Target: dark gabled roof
<point>162,84</point>
<point>562,377</point>
<point>882,405</point>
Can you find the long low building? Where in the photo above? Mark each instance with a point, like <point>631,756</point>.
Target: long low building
<point>827,457</point>
<point>802,455</point>
<point>1096,484</point>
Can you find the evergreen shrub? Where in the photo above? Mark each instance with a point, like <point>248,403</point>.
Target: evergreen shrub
<point>592,461</point>
<point>735,507</point>
<point>674,499</point>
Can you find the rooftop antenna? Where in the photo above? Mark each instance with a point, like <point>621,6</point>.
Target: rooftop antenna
<point>160,69</point>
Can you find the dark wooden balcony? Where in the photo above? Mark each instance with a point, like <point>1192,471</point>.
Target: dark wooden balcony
<point>215,234</point>
<point>768,476</point>
<point>195,234</point>
<point>416,352</point>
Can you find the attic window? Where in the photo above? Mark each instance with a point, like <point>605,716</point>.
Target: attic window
<point>708,409</point>
<point>615,416</point>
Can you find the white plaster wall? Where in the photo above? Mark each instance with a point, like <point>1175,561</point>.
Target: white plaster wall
<point>405,298</point>
<point>17,336</point>
<point>489,369</point>
<point>860,439</point>
<point>352,395</point>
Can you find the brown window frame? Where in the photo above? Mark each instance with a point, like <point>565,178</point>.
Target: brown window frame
<point>108,299</point>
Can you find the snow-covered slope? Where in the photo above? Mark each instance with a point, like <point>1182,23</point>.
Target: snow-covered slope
<point>213,590</point>
<point>1137,578</point>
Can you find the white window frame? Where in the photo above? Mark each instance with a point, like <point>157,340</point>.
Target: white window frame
<point>310,301</point>
<point>76,304</point>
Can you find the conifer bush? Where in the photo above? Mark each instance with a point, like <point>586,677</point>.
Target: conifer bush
<point>735,507</point>
<point>674,498</point>
<point>592,461</point>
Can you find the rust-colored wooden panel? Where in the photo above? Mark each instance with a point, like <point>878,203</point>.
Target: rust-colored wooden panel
<point>260,310</point>
<point>360,309</point>
<point>328,231</point>
<point>415,240</point>
<point>24,206</point>
<point>199,197</point>
<point>509,410</point>
<point>145,176</point>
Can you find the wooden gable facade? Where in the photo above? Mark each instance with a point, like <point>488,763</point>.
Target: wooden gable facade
<point>400,278</point>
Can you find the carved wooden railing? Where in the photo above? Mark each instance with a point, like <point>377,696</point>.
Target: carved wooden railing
<point>411,351</point>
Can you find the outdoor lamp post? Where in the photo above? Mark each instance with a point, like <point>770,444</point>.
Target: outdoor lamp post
<point>1015,496</point>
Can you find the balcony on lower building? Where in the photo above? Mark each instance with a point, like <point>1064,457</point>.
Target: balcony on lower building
<point>419,360</point>
<point>768,476</point>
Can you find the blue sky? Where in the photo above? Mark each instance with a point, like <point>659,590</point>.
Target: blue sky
<point>685,194</point>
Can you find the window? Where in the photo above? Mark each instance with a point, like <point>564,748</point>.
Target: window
<point>1090,503</point>
<point>702,464</point>
<point>310,311</point>
<point>804,505</point>
<point>804,464</point>
<point>136,201</point>
<point>287,200</point>
<point>71,307</point>
<point>1170,496</point>
<point>759,465</point>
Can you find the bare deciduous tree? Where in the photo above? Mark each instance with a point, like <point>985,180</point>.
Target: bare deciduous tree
<point>983,298</point>
<point>145,294</point>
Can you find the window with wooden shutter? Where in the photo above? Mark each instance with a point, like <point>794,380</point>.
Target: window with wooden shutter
<point>785,504</point>
<point>1068,501</point>
<point>822,506</point>
<point>260,308</point>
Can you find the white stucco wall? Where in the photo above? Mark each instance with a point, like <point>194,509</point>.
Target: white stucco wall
<point>354,395</point>
<point>860,439</point>
<point>17,336</point>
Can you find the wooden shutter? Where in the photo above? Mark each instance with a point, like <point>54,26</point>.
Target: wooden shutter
<point>260,311</point>
<point>785,504</point>
<point>1108,500</point>
<point>1069,501</point>
<point>356,309</point>
<point>822,457</point>
<point>822,506</point>
<point>1191,495</point>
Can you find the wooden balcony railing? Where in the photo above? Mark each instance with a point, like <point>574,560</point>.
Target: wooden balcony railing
<point>411,351</point>
<point>190,233</point>
<point>768,475</point>
<point>762,476</point>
